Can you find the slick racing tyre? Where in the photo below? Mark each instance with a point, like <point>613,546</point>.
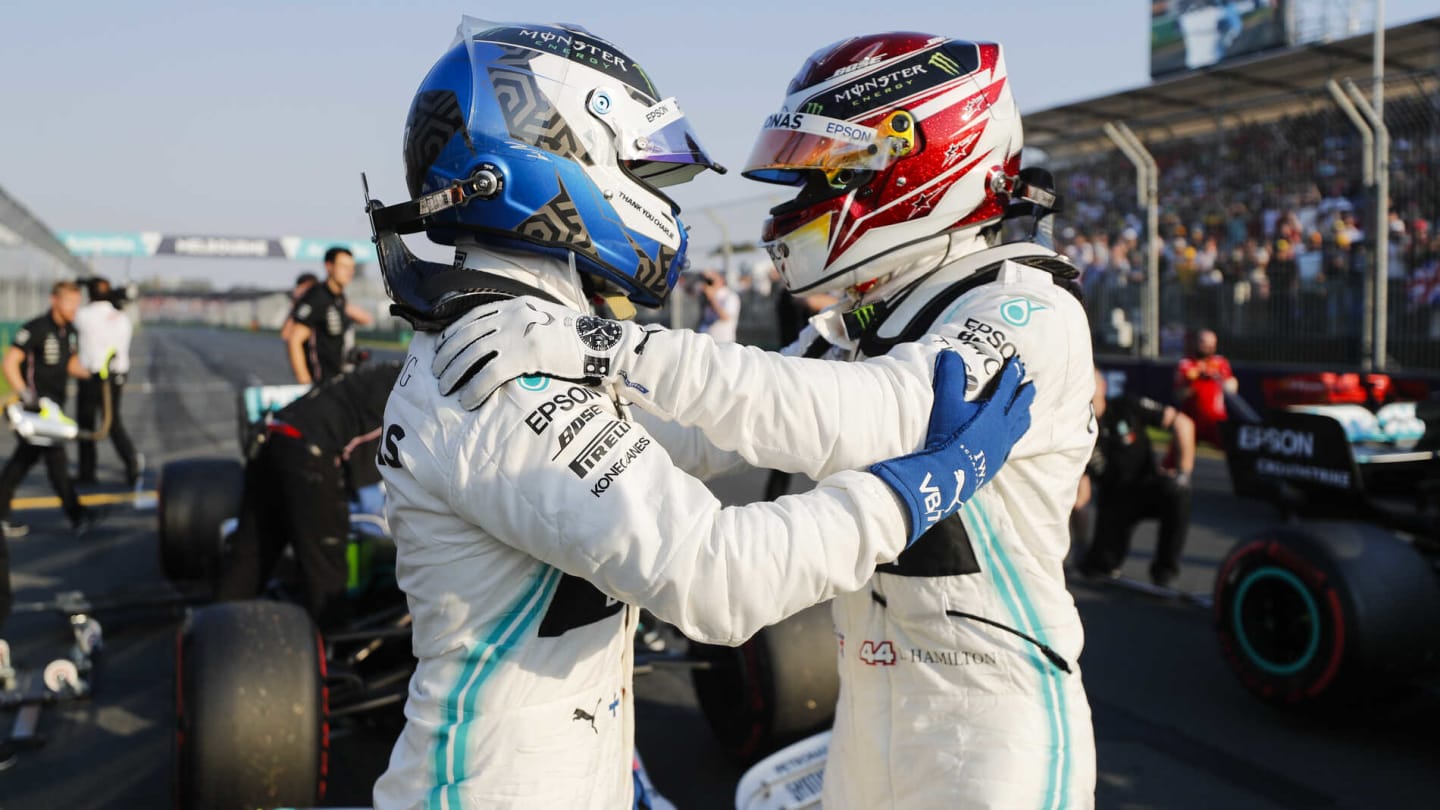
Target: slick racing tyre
<point>250,709</point>
<point>196,496</point>
<point>779,686</point>
<point>1327,613</point>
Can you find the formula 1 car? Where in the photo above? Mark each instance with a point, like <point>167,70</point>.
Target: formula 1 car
<point>1339,604</point>
<point>260,691</point>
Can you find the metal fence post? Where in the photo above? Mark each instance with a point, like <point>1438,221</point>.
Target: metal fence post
<point>1148,193</point>
<point>1367,171</point>
<point>1378,321</point>
<point>1382,196</point>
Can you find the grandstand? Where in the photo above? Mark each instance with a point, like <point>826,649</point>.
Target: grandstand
<point>1266,223</point>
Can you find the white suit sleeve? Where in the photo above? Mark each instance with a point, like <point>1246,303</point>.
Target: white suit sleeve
<point>611,507</point>
<point>689,447</point>
<point>789,413</point>
<point>818,416</point>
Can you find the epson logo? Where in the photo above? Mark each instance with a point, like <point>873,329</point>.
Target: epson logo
<point>848,132</point>
<point>539,419</point>
<point>1274,440</point>
<point>657,112</point>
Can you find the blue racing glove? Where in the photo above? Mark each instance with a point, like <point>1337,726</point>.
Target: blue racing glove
<point>966,445</point>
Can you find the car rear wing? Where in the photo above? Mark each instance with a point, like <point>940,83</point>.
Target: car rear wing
<point>1316,465</point>
<point>1302,451</point>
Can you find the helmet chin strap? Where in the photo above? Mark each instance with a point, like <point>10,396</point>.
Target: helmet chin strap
<point>576,285</point>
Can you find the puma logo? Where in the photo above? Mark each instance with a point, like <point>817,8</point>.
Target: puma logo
<point>581,714</point>
<point>549,319</point>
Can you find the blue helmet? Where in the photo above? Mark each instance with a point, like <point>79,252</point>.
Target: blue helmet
<point>548,138</point>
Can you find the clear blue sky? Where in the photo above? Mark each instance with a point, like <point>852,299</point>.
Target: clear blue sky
<point>256,118</point>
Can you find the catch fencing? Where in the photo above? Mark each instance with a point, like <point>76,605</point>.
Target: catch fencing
<point>31,261</point>
<point>1267,234</point>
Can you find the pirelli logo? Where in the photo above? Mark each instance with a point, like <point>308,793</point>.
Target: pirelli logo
<point>593,452</point>
<point>944,62</point>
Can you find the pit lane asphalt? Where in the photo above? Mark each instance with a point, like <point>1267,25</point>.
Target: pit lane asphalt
<point>1174,729</point>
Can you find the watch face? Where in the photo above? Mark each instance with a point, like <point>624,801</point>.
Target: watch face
<point>597,333</point>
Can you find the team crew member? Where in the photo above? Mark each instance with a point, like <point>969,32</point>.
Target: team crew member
<point>959,678</point>
<point>105,334</point>
<point>37,363</point>
<point>1129,486</point>
<point>321,328</point>
<point>531,530</point>
<point>1207,390</point>
<point>303,283</point>
<point>315,453</point>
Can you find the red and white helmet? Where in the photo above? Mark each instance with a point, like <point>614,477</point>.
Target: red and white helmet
<point>892,139</point>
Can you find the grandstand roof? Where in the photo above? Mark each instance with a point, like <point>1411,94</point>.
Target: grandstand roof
<point>1253,89</point>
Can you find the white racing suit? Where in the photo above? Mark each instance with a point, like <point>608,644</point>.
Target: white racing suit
<point>935,710</point>
<point>524,628</point>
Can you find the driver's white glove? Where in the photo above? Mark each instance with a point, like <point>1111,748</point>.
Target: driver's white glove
<point>496,343</point>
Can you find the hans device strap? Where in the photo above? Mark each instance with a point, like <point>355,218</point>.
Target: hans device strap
<point>864,322</point>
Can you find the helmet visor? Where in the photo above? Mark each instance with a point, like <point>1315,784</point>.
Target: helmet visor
<point>792,143</point>
<point>656,142</point>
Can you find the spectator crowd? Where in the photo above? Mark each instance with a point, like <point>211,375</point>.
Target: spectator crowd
<point>1266,232</point>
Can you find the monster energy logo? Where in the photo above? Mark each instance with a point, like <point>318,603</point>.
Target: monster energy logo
<point>814,107</point>
<point>943,61</point>
<point>864,315</point>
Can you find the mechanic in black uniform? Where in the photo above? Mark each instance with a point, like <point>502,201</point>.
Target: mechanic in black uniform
<point>303,283</point>
<point>37,363</point>
<point>313,454</point>
<point>1129,486</point>
<point>321,328</point>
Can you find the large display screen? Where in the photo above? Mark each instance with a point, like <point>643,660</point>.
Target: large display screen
<point>1190,34</point>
